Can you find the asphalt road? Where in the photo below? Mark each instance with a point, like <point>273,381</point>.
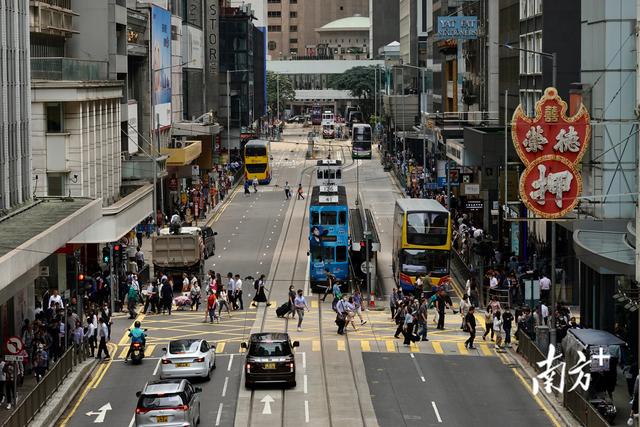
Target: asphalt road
<point>248,228</point>
<point>458,390</point>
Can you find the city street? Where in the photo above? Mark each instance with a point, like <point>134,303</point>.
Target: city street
<point>340,379</point>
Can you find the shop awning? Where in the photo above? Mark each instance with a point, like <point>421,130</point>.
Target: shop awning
<point>119,218</point>
<point>607,252</point>
<point>38,230</point>
<point>183,155</point>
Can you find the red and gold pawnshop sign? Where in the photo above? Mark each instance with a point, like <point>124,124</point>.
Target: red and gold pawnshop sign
<point>551,145</point>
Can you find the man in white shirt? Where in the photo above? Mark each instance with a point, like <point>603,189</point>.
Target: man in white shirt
<point>493,282</point>
<point>55,298</point>
<point>544,313</point>
<point>238,294</point>
<point>545,288</point>
<point>103,337</point>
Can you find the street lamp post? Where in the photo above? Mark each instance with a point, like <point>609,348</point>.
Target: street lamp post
<point>554,74</point>
<point>229,105</point>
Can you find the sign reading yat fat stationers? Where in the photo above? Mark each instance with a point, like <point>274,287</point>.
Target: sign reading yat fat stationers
<point>551,146</point>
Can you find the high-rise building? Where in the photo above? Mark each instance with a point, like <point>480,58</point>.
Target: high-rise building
<point>15,155</point>
<point>292,24</point>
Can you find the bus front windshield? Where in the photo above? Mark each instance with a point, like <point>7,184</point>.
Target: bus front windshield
<point>415,261</point>
<point>362,134</point>
<point>255,151</point>
<point>427,228</point>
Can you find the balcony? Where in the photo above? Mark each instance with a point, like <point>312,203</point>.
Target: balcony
<point>182,153</point>
<point>68,69</point>
<point>53,17</point>
<point>138,168</point>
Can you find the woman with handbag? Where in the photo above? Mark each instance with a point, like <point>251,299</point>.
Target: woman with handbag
<point>488,324</point>
<point>399,319</point>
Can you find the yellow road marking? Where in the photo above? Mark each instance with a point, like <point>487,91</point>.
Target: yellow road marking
<point>104,371</point>
<point>536,398</point>
<point>124,352</point>
<point>391,347</point>
<point>340,345</point>
<point>315,345</point>
<point>148,350</point>
<point>220,347</point>
<point>484,348</point>
<point>314,304</point>
<point>414,348</point>
<point>83,394</point>
<point>462,349</point>
<point>364,345</point>
<point>437,347</point>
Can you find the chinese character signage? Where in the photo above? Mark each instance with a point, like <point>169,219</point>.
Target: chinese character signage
<point>458,27</point>
<point>550,145</point>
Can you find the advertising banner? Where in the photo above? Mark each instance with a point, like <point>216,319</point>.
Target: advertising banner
<point>161,65</point>
<point>133,139</point>
<point>457,27</point>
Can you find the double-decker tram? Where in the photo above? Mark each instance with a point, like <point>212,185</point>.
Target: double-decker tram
<point>257,161</point>
<point>329,172</point>
<point>421,241</point>
<point>328,236</point>
<point>361,141</point>
<point>316,115</point>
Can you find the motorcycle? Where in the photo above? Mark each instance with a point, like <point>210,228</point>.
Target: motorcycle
<point>136,351</point>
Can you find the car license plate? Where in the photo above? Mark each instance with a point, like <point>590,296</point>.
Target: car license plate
<point>183,365</point>
<point>162,419</point>
<point>269,366</point>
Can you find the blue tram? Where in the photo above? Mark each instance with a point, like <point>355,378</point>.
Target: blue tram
<point>328,236</point>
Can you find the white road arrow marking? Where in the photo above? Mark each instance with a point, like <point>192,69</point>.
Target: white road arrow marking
<point>267,400</point>
<point>101,413</point>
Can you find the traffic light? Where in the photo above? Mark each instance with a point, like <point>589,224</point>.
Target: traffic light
<point>80,278</point>
<point>106,255</point>
<point>116,253</point>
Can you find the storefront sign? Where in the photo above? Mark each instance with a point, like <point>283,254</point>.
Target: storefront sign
<point>474,205</point>
<point>458,27</point>
<point>551,145</point>
<point>161,64</point>
<point>471,189</point>
<point>211,49</point>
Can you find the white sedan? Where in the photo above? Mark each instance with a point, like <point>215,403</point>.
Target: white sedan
<point>188,358</point>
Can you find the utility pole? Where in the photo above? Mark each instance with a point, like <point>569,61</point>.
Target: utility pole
<point>552,309</point>
<point>228,111</point>
<point>155,160</point>
<point>112,282</point>
<point>637,272</point>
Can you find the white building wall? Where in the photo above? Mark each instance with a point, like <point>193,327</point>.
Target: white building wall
<point>609,66</point>
<point>92,149</point>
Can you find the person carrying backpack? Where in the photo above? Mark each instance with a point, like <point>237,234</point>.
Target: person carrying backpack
<point>132,300</point>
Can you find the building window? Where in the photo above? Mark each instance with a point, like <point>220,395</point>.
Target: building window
<point>293,51</point>
<point>528,99</point>
<point>293,1</point>
<point>293,28</point>
<point>293,14</point>
<point>274,14</point>
<point>274,28</point>
<point>523,55</point>
<point>531,57</point>
<point>293,41</point>
<point>55,117</point>
<point>55,184</point>
<point>272,45</point>
<point>273,1</point>
<point>538,48</point>
<point>538,6</point>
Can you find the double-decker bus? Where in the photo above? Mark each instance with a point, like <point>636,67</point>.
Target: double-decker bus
<point>316,115</point>
<point>328,236</point>
<point>361,141</point>
<point>421,241</point>
<point>256,161</point>
<point>329,172</point>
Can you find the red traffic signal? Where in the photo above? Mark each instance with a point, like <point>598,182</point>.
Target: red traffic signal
<point>116,248</point>
<point>81,277</point>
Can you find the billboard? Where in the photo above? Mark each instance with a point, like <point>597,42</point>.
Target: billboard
<point>458,27</point>
<point>161,65</point>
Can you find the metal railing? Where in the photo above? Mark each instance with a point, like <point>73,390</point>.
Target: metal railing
<point>586,414</point>
<point>29,406</point>
<point>528,349</point>
<point>68,69</point>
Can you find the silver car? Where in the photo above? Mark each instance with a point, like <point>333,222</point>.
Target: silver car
<point>168,403</point>
<point>188,358</point>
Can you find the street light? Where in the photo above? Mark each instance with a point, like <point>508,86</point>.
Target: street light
<point>229,106</point>
<point>554,73</point>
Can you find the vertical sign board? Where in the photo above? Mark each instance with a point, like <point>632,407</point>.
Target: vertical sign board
<point>211,50</point>
<point>133,139</point>
<point>161,64</point>
<point>194,12</point>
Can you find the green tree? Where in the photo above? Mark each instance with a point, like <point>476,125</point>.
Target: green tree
<point>279,84</point>
<point>361,83</point>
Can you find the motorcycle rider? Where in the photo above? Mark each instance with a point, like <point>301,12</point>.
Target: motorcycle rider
<point>137,335</point>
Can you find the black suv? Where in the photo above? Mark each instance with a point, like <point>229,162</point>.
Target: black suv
<point>270,359</point>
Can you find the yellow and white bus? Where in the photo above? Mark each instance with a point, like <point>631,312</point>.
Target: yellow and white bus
<point>257,154</point>
<point>421,241</point>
